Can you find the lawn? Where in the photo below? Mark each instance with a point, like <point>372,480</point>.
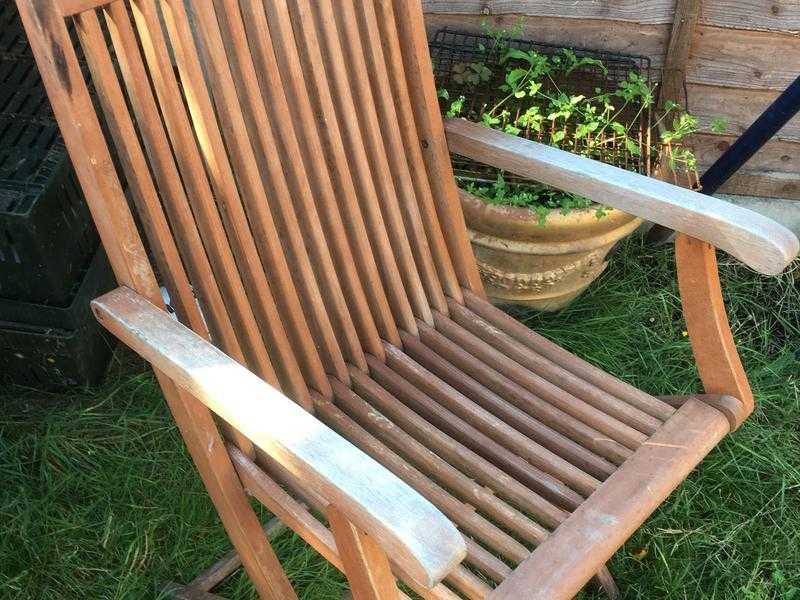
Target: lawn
<point>98,498</point>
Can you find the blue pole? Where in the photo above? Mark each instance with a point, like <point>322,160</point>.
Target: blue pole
<point>759,133</point>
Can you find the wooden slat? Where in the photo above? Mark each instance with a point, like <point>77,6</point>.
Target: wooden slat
<point>247,218</point>
<point>72,7</point>
<point>503,399</point>
<point>673,73</point>
<point>542,388</point>
<point>743,59</point>
<point>565,359</point>
<point>777,156</point>
<point>436,468</point>
<point>482,431</point>
<point>344,46</point>
<point>425,104</point>
<point>310,263</point>
<point>174,199</point>
<point>553,417</point>
<point>632,11</point>
<point>300,519</point>
<point>462,514</point>
<point>500,406</point>
<point>408,130</point>
<point>137,173</point>
<point>81,130</point>
<point>766,184</point>
<point>757,241</point>
<point>560,567</point>
<point>457,454</point>
<point>739,107</point>
<point>301,156</point>
<point>365,563</point>
<point>283,53</point>
<point>553,372</point>
<point>194,176</point>
<point>423,542</point>
<point>778,15</point>
<point>337,105</point>
<point>363,23</point>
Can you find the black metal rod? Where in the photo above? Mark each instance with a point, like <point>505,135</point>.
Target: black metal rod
<point>759,133</point>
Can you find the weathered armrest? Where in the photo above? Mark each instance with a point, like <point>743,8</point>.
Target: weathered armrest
<point>419,538</point>
<point>757,241</point>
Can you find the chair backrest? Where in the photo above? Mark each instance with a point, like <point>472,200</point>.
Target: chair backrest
<point>287,162</point>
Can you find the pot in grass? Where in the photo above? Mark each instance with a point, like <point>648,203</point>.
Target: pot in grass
<point>545,267</point>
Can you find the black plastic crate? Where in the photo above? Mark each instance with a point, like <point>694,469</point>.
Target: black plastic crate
<point>46,233</point>
<point>53,348</point>
<point>13,43</point>
<point>450,48</point>
<point>22,92</point>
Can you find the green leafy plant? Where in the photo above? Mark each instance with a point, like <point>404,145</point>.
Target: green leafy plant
<point>534,99</point>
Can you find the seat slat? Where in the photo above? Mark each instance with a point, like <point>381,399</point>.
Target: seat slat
<point>554,373</point>
<point>567,360</point>
<point>433,466</point>
<point>460,513</point>
<point>450,413</point>
<point>456,453</point>
<point>556,442</point>
<point>550,393</point>
<point>550,415</point>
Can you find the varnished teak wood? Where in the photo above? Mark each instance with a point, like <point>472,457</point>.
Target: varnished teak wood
<point>332,317</point>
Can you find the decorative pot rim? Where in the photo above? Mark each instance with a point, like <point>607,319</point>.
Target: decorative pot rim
<point>521,225</point>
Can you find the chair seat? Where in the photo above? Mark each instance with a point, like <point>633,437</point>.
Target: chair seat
<point>502,430</point>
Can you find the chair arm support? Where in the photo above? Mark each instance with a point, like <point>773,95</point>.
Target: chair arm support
<point>419,538</point>
<point>757,241</point>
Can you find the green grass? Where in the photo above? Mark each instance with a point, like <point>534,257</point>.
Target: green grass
<point>99,500</point>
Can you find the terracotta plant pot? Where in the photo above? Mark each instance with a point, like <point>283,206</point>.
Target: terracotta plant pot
<point>544,267</point>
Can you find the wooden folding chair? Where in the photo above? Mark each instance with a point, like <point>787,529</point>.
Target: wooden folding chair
<point>291,176</point>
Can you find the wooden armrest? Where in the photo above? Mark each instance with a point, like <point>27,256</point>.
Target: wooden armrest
<point>419,538</point>
<point>757,241</point>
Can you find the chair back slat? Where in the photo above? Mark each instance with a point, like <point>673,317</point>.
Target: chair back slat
<point>288,165</point>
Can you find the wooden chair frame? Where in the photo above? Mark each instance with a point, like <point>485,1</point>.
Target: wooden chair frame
<point>245,436</point>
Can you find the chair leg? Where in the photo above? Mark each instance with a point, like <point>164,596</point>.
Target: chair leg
<point>606,582</point>
<point>211,458</point>
<point>200,587</point>
<point>365,563</point>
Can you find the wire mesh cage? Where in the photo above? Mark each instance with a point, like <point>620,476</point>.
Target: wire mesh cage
<point>453,52</point>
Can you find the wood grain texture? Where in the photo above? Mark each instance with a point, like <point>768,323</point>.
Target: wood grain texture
<point>738,106</point>
<point>776,156</point>
<point>759,242</point>
<point>673,73</point>
<point>743,59</point>
<point>775,15</point>
<point>710,334</point>
<point>562,565</point>
<point>365,563</point>
<point>766,184</point>
<point>422,541</point>
<point>596,34</point>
